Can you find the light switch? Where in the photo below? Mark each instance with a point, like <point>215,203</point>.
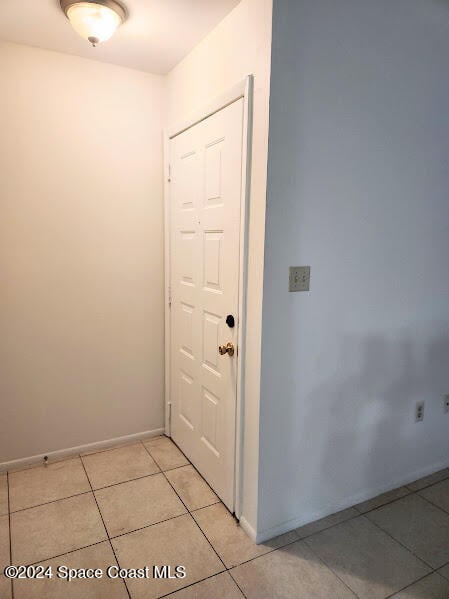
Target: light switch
<point>299,279</point>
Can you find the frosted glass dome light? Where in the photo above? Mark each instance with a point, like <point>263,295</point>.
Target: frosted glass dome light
<point>94,20</point>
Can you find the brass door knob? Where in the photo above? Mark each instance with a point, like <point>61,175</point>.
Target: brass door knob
<point>227,349</point>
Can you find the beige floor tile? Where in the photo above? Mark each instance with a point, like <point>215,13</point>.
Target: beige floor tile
<point>419,526</point>
<point>98,556</point>
<point>42,484</point>
<point>370,562</point>
<point>229,540</point>
<point>4,542</point>
<point>218,587</point>
<point>380,500</point>
<point>177,542</point>
<point>323,523</point>
<point>293,571</point>
<point>3,494</point>
<point>165,453</point>
<point>429,480</point>
<point>5,588</point>
<point>138,503</point>
<point>191,487</point>
<point>433,586</point>
<point>119,465</point>
<point>49,530</point>
<point>438,494</point>
<point>444,571</point>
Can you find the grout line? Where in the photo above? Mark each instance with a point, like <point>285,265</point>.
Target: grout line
<point>281,547</point>
<point>121,481</point>
<point>358,515</point>
<point>93,490</point>
<point>236,583</point>
<point>31,507</point>
<point>381,504</point>
<point>109,538</point>
<point>74,456</point>
<point>190,514</point>
<point>204,535</point>
<point>167,469</point>
<point>47,559</point>
<point>427,485</point>
<point>203,507</point>
<point>259,556</point>
<point>326,565</point>
<point>171,469</point>
<point>188,511</point>
<point>86,492</point>
<point>121,445</point>
<point>410,585</point>
<point>434,504</point>
<point>184,466</point>
<point>159,466</point>
<point>106,530</point>
<point>396,540</point>
<point>317,532</point>
<point>199,474</point>
<point>194,583</point>
<point>129,532</point>
<point>251,559</point>
<point>229,570</point>
<point>10,535</point>
<point>297,540</point>
<point>175,468</point>
<point>401,544</point>
<point>114,447</point>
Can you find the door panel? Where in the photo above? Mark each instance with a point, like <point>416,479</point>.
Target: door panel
<point>205,195</point>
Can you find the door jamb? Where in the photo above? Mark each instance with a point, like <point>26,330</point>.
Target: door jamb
<point>244,89</point>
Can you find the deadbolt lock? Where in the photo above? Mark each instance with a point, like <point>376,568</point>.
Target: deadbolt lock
<point>227,349</point>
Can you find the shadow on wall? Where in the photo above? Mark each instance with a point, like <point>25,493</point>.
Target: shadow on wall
<point>391,378</point>
<point>365,422</point>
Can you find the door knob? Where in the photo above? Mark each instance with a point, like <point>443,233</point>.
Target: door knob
<point>226,349</point>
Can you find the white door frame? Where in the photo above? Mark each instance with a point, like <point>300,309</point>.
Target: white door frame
<point>244,89</point>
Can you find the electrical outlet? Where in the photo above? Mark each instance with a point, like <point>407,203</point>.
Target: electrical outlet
<point>419,411</point>
<point>446,403</point>
<point>299,278</point>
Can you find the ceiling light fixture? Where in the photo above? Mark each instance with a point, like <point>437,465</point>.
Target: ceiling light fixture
<point>95,20</point>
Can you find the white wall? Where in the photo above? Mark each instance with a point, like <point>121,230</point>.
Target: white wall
<point>81,258</point>
<point>239,46</point>
<point>358,188</point>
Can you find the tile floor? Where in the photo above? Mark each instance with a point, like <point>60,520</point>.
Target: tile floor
<point>144,504</point>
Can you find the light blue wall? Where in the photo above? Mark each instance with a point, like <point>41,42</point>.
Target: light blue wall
<point>358,188</point>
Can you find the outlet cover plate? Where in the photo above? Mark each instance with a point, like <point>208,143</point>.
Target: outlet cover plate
<point>299,279</point>
<point>446,404</point>
<point>419,411</point>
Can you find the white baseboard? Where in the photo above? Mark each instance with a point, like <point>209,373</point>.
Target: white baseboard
<point>248,529</point>
<point>60,454</point>
<point>269,533</point>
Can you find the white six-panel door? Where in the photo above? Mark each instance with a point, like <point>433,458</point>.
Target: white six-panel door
<point>205,196</point>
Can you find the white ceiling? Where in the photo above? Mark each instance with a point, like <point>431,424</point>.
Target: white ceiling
<point>156,36</point>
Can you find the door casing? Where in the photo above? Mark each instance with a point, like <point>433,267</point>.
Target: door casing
<point>243,89</point>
